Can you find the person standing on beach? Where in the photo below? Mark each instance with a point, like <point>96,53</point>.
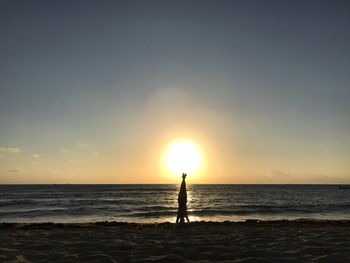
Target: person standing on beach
<point>182,200</point>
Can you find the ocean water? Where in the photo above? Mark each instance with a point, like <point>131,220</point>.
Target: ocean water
<point>158,203</point>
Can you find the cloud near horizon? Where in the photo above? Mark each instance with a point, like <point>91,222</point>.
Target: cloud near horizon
<point>36,156</point>
<point>14,170</point>
<point>11,150</point>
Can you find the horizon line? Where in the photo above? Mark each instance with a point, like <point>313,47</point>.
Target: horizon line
<point>1,184</point>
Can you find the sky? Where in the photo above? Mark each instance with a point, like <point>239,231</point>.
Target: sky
<point>94,91</point>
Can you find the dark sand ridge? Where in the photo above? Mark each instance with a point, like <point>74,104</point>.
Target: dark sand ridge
<point>250,241</point>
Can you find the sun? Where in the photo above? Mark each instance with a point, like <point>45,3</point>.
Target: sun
<point>183,156</point>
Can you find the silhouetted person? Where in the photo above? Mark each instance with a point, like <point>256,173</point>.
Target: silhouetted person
<point>182,200</point>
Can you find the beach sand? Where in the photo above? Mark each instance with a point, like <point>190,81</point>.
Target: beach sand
<point>250,241</point>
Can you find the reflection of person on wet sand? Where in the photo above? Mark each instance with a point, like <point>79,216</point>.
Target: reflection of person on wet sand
<point>182,200</point>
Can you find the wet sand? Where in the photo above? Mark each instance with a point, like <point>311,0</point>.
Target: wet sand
<point>250,241</point>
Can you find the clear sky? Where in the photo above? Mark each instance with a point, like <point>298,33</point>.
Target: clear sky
<point>94,91</point>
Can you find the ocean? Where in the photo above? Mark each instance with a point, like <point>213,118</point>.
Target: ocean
<point>158,203</point>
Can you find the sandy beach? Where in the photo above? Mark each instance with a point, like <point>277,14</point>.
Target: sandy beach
<point>250,241</point>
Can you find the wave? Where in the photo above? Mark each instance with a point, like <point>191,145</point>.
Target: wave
<point>158,201</point>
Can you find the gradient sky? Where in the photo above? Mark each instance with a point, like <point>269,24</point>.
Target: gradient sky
<point>93,91</point>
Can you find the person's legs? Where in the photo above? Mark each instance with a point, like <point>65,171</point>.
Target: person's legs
<point>188,220</point>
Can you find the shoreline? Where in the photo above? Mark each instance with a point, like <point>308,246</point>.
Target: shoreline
<point>248,222</point>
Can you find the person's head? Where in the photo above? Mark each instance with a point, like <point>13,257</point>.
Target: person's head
<point>184,176</point>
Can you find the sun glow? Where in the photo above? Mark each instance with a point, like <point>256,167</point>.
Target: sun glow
<point>183,156</point>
